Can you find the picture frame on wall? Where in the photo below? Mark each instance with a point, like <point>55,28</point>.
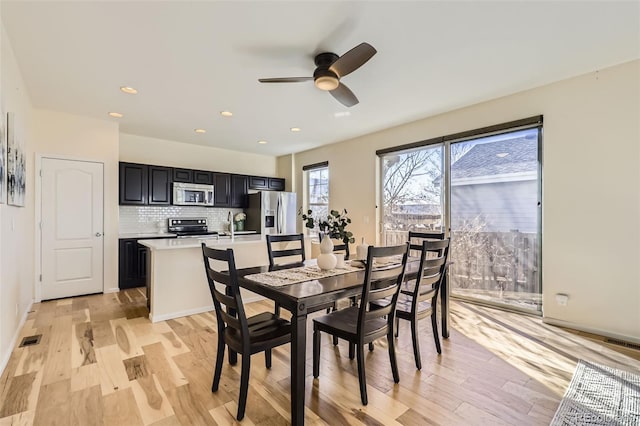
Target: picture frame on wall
<point>16,164</point>
<point>3,159</point>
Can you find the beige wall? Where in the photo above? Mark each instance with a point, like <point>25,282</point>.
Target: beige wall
<point>591,189</point>
<point>140,149</point>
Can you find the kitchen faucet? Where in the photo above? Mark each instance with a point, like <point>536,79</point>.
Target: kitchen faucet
<point>230,219</point>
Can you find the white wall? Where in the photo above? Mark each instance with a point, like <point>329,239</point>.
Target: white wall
<point>16,223</point>
<point>160,152</point>
<point>591,189</point>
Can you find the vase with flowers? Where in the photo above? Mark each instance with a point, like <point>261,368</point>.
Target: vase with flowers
<point>238,221</point>
<point>333,226</point>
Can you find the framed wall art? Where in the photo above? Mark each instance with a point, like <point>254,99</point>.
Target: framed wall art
<point>16,164</point>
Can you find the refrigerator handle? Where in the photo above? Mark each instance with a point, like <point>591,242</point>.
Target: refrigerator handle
<point>278,217</point>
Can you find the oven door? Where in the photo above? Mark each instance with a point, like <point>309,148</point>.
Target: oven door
<point>189,194</point>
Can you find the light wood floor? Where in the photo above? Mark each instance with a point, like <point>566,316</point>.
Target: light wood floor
<point>101,362</point>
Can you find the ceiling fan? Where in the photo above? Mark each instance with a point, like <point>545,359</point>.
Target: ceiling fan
<point>330,69</point>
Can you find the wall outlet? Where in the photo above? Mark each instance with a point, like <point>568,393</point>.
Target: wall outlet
<point>562,299</point>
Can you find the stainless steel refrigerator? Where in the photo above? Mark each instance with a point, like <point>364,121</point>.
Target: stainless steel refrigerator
<point>272,212</point>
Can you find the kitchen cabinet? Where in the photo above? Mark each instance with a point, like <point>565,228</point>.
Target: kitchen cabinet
<point>183,175</point>
<point>221,189</point>
<point>266,183</point>
<point>203,177</point>
<point>239,191</point>
<point>133,183</point>
<point>159,185</point>
<point>132,264</point>
<point>141,184</point>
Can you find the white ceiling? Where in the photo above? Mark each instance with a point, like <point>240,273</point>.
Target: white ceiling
<point>191,60</point>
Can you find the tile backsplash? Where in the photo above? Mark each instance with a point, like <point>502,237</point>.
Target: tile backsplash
<point>149,219</point>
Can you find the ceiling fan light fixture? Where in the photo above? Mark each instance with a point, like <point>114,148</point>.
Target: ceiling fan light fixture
<point>327,82</point>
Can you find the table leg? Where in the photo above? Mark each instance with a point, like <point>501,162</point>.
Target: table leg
<point>298,364</point>
<point>444,306</point>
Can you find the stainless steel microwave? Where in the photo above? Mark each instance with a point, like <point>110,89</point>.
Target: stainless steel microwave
<point>192,194</point>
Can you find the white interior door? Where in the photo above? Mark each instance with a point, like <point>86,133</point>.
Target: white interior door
<point>72,227</point>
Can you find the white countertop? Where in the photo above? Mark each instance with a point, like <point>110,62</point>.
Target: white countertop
<point>184,243</point>
<point>147,235</point>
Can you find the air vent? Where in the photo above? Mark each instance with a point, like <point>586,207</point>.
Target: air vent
<point>31,340</point>
<point>623,343</point>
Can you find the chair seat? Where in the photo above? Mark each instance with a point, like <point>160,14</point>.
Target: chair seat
<point>266,330</point>
<point>344,324</point>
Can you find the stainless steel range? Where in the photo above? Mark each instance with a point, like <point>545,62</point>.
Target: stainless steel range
<point>190,227</point>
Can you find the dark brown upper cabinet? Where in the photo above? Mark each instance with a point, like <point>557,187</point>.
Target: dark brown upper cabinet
<point>266,183</point>
<point>159,185</point>
<point>239,191</point>
<point>183,175</point>
<point>133,183</point>
<point>276,184</point>
<point>202,177</point>
<point>221,189</point>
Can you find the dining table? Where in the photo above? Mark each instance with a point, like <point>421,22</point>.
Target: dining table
<point>300,299</point>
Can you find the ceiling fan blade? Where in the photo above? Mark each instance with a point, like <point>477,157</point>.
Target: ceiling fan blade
<point>353,59</point>
<point>285,80</point>
<point>344,95</point>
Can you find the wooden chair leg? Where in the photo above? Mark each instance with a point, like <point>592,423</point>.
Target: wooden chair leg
<point>277,309</point>
<point>352,348</point>
<point>434,325</point>
<point>244,385</point>
<point>370,346</point>
<point>392,357</point>
<point>396,326</point>
<point>362,378</point>
<point>416,344</point>
<point>219,361</point>
<point>335,341</point>
<point>267,358</point>
<point>316,354</point>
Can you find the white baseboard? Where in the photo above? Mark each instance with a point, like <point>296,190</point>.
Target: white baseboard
<point>111,290</point>
<point>172,315</point>
<point>579,327</point>
<point>14,340</point>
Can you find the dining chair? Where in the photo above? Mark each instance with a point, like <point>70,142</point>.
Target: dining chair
<point>361,325</point>
<point>242,334</point>
<point>420,300</point>
<point>274,241</point>
<point>416,239</point>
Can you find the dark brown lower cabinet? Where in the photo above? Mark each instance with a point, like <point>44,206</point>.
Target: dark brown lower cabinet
<point>132,263</point>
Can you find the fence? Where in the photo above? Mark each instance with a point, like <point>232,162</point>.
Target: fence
<point>503,261</point>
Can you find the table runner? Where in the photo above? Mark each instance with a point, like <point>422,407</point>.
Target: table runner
<point>301,274</point>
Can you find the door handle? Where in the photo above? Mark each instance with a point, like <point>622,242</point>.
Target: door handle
<point>98,234</point>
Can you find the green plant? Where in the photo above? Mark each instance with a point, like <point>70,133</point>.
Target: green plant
<point>334,225</point>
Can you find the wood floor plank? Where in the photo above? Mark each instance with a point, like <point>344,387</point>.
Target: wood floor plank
<point>102,333</point>
<point>86,407</point>
<point>82,345</point>
<point>54,405</point>
<point>113,375</point>
<point>21,419</point>
<point>22,394</point>
<point>119,408</point>
<point>58,363</point>
<point>163,366</point>
<point>188,410</point>
<point>151,399</point>
<point>85,377</point>
<point>125,338</point>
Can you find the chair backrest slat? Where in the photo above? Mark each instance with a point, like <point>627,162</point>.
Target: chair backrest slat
<point>280,239</point>
<point>432,271</point>
<point>382,281</point>
<point>228,305</point>
<point>421,236</point>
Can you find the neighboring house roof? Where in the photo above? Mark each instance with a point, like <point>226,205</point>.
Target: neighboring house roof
<point>418,208</point>
<point>494,160</point>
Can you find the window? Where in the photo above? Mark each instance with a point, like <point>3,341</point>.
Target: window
<point>318,191</point>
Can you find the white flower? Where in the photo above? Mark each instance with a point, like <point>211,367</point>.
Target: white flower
<point>239,216</point>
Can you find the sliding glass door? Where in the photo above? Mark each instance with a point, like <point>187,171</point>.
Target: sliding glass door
<point>486,192</point>
<point>495,223</point>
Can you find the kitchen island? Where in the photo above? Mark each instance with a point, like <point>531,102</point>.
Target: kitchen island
<point>176,282</point>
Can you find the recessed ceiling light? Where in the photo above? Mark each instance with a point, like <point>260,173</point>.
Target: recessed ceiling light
<point>200,130</point>
<point>116,115</point>
<point>129,90</point>
<point>295,129</point>
<point>262,142</point>
<point>226,113</point>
